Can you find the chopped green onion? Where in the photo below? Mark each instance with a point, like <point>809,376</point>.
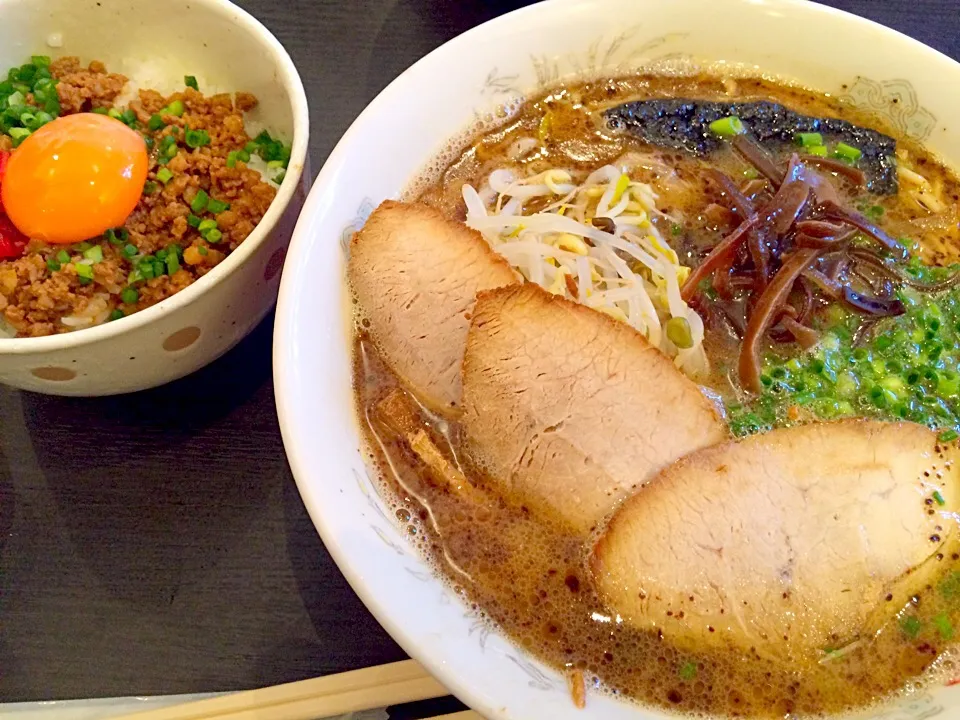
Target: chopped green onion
<point>164,175</point>
<point>193,221</point>
<point>84,271</point>
<point>117,314</point>
<point>11,116</point>
<point>27,119</point>
<point>910,625</point>
<point>279,176</point>
<point>149,187</point>
<point>949,587</point>
<point>112,238</point>
<point>213,236</point>
<point>948,436</point>
<point>15,99</point>
<point>171,150</point>
<point>115,114</point>
<point>809,139</point>
<point>200,200</point>
<point>243,156</point>
<point>817,150</point>
<point>217,206</point>
<point>53,264</point>
<point>27,72</point>
<point>129,117</point>
<point>155,122</point>
<point>847,152</point>
<point>94,253</point>
<point>19,135</point>
<point>196,138</point>
<point>274,164</point>
<point>175,108</point>
<point>129,295</point>
<point>269,149</point>
<point>63,256</point>
<point>41,119</point>
<point>40,60</point>
<point>191,82</point>
<point>727,127</point>
<point>173,263</point>
<point>162,254</point>
<point>202,250</point>
<point>250,147</point>
<point>129,250</point>
<point>146,267</point>
<point>944,626</point>
<point>206,225</point>
<point>939,498</point>
<point>232,159</point>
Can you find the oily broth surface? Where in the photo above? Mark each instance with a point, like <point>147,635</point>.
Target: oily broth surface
<point>527,575</point>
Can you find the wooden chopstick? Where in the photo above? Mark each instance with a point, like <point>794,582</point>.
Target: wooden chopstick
<point>353,691</point>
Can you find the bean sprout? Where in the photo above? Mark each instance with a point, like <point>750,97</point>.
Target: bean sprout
<point>621,265</point>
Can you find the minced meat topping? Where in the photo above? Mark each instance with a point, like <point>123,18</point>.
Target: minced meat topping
<point>200,201</point>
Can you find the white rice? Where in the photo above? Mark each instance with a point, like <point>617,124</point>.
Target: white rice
<point>154,75</point>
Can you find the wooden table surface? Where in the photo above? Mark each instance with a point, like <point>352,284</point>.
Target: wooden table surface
<point>155,543</point>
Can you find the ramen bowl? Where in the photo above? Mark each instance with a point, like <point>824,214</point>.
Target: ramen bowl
<point>156,46</point>
<point>418,118</point>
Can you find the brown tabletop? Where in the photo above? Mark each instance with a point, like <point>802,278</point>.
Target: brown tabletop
<point>155,543</point>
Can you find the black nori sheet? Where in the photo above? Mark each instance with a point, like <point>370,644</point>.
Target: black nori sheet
<point>684,125</point>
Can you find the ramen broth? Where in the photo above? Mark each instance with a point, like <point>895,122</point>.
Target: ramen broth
<point>525,574</point>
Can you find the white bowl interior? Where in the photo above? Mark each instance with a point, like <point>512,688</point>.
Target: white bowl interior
<point>407,125</point>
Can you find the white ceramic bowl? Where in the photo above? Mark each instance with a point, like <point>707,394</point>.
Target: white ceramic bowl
<point>385,148</point>
<point>228,50</point>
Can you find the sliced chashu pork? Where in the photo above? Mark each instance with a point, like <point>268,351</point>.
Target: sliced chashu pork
<point>570,409</point>
<point>789,543</point>
<point>416,275</point>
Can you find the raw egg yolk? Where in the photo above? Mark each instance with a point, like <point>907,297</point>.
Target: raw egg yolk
<point>75,178</point>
